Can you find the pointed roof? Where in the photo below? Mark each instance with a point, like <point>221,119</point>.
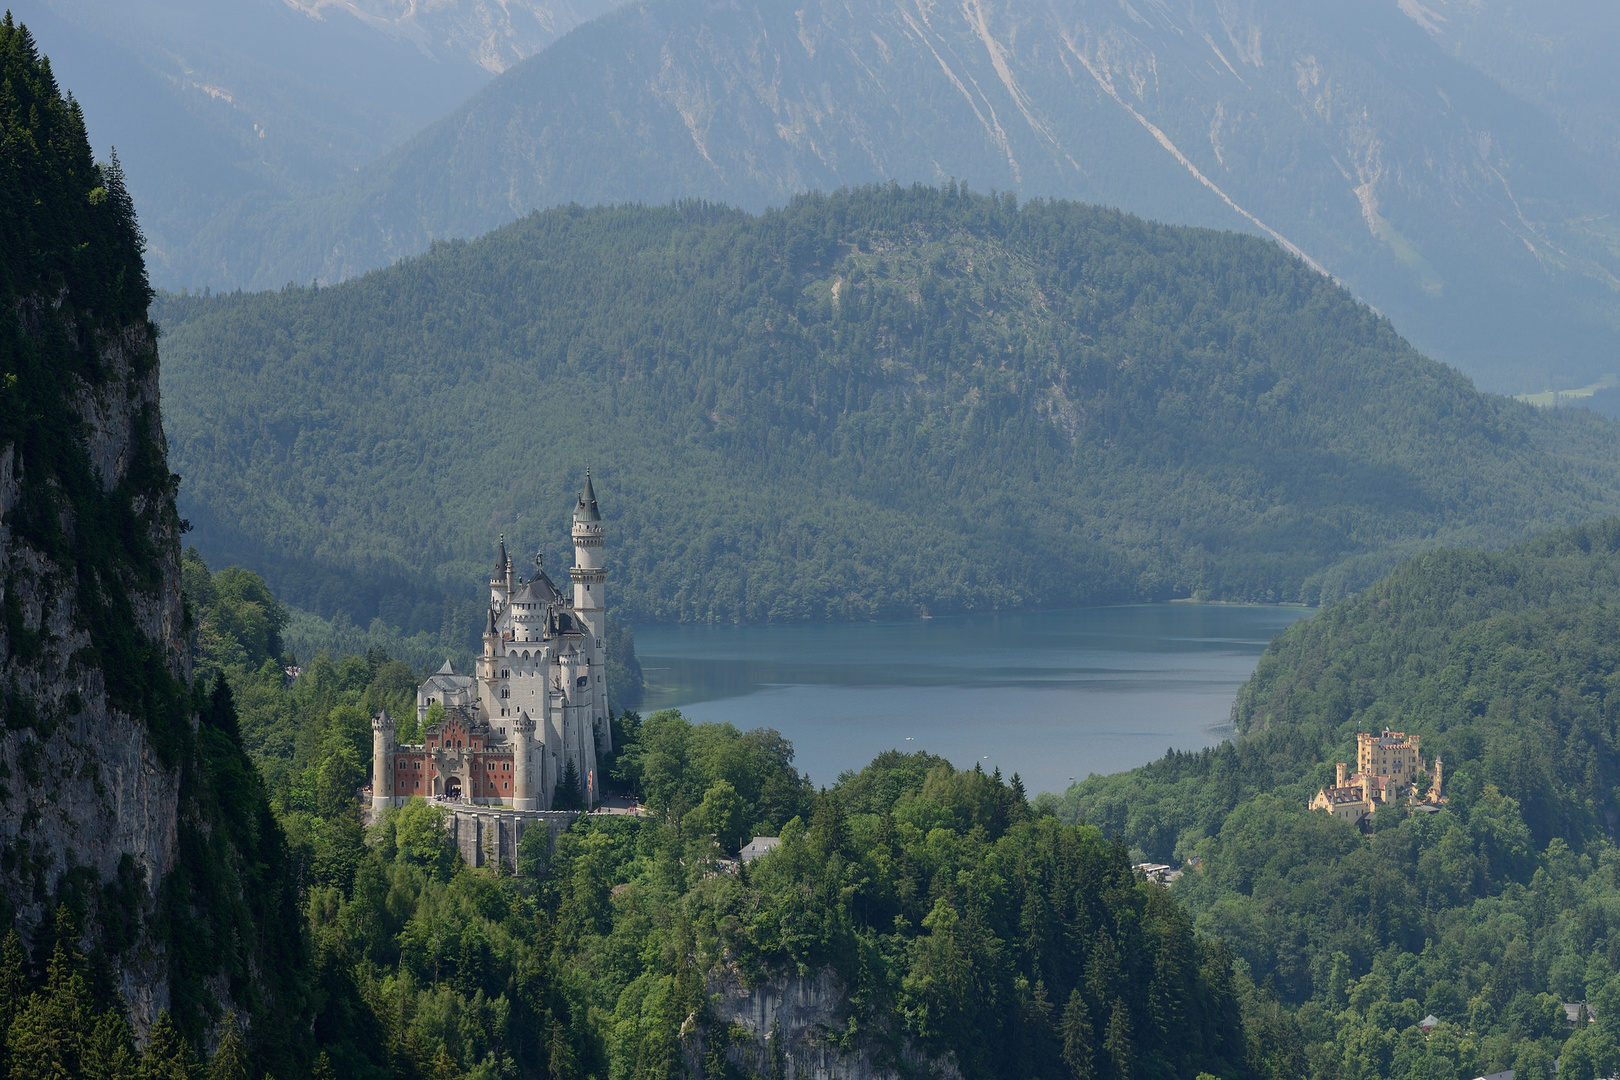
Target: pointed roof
<point>541,590</point>
<point>500,559</point>
<point>491,629</point>
<point>446,670</point>
<point>586,509</point>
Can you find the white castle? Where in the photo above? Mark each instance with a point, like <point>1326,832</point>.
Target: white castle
<point>536,705</point>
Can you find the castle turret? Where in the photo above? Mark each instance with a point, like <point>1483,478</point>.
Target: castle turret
<point>523,785</point>
<point>500,582</point>
<point>382,761</point>
<point>590,600</point>
<point>1342,769</point>
<point>590,605</point>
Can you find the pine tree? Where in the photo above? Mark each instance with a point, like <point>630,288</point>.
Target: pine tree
<point>568,796</point>
<point>563,1065</point>
<point>230,1060</point>
<point>444,1066</point>
<point>1077,1041</point>
<point>44,1039</point>
<point>13,990</point>
<point>167,1055</point>
<point>109,1049</point>
<point>323,1068</point>
<point>1117,1041</point>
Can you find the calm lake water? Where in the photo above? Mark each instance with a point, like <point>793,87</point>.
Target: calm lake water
<point>1051,695</point>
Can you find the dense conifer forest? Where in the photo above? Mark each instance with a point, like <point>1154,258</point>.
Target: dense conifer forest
<point>1488,914</point>
<point>880,402</point>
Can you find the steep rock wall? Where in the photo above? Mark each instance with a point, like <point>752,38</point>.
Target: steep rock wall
<point>87,798</point>
<point>125,795</point>
<point>790,1027</point>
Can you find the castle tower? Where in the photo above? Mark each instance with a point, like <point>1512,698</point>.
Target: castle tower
<point>590,605</point>
<point>1342,769</point>
<point>382,762</point>
<point>590,601</point>
<point>523,786</point>
<point>500,583</point>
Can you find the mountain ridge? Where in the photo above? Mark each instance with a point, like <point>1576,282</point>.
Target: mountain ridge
<point>875,403</point>
<point>1355,138</point>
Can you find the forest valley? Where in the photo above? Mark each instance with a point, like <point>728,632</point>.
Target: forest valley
<point>963,921</point>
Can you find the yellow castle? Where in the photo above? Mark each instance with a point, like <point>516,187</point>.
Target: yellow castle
<point>1387,768</point>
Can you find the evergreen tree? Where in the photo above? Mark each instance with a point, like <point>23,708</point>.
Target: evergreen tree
<point>568,795</point>
<point>563,1064</point>
<point>45,1040</point>
<point>13,990</point>
<point>230,1060</point>
<point>1117,1040</point>
<point>1077,1040</point>
<point>167,1055</point>
<point>444,1066</point>
<point>109,1050</point>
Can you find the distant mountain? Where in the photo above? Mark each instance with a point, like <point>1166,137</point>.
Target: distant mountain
<point>880,403</point>
<point>1558,54</point>
<point>1352,133</point>
<point>219,110</point>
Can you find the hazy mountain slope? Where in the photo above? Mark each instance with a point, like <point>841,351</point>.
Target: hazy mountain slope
<point>222,108</point>
<point>1559,54</point>
<point>874,404</point>
<point>1450,204</point>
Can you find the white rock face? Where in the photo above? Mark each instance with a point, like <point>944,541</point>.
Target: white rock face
<point>799,1011</point>
<point>83,787</point>
<point>494,34</point>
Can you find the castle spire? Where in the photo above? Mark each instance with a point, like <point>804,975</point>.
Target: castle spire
<point>586,510</point>
<point>500,559</point>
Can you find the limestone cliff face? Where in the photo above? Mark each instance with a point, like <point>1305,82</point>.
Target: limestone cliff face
<point>124,796</point>
<point>791,1026</point>
<point>84,787</point>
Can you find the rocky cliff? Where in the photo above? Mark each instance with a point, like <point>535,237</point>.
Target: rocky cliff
<point>794,1026</point>
<point>123,796</point>
<point>87,793</point>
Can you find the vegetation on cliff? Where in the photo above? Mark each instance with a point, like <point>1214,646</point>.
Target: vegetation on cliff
<point>873,403</point>
<point>1487,914</point>
<point>102,739</point>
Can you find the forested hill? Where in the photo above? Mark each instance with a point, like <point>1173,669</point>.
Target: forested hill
<point>1486,914</point>
<point>1454,168</point>
<point>880,402</point>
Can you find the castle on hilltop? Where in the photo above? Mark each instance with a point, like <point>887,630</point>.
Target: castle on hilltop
<point>1387,769</point>
<point>534,711</point>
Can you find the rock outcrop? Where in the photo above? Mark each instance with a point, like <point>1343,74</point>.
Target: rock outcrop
<point>796,1027</point>
<point>87,795</point>
<point>125,795</point>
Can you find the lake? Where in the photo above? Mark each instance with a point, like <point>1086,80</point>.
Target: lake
<point>1052,695</point>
